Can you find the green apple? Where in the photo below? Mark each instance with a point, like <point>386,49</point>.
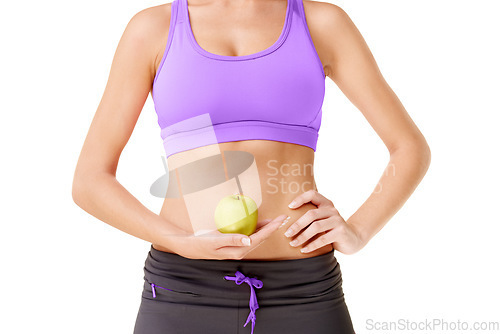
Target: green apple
<point>236,214</point>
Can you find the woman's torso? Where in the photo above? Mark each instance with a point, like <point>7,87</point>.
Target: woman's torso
<point>282,170</point>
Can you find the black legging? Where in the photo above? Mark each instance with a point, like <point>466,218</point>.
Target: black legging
<point>191,296</point>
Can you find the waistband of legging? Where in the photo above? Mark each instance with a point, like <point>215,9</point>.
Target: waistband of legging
<point>215,264</point>
<point>165,260</point>
<point>210,276</point>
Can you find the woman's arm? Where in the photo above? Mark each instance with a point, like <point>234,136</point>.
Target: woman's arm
<point>351,65</point>
<point>95,188</point>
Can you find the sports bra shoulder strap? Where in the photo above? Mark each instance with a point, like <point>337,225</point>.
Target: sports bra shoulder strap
<point>181,10</point>
<point>300,7</point>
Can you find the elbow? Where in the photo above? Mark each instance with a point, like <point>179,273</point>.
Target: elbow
<point>81,182</point>
<point>77,190</point>
<point>85,185</point>
<point>424,158</point>
<point>423,151</point>
<point>427,154</point>
<point>416,150</point>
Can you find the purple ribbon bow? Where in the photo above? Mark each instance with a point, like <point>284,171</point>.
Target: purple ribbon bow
<point>240,278</point>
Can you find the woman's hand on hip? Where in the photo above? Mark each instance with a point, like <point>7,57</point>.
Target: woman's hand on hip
<point>322,226</point>
<point>227,246</point>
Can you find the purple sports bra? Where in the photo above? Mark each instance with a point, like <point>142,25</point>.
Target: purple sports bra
<point>202,98</point>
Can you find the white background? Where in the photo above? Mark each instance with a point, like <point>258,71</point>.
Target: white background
<point>64,271</point>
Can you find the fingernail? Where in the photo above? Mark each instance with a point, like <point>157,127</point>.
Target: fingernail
<point>304,250</point>
<point>292,204</point>
<point>288,233</point>
<point>285,221</point>
<point>246,241</point>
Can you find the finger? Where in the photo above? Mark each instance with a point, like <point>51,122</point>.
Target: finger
<point>323,240</point>
<point>266,231</point>
<point>306,219</point>
<point>262,223</point>
<point>311,231</point>
<point>258,237</point>
<point>229,239</point>
<point>235,239</point>
<point>310,196</point>
<point>256,242</point>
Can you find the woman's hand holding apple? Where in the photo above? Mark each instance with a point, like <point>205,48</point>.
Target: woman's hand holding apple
<point>226,246</point>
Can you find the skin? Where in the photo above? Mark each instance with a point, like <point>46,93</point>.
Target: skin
<point>314,222</point>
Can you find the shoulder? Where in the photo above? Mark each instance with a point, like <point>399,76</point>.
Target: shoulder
<point>147,32</point>
<point>150,22</point>
<point>331,29</point>
<point>324,14</point>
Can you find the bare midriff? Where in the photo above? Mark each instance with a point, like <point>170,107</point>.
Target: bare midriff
<point>285,171</point>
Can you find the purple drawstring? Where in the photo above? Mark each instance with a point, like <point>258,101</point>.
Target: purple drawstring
<point>240,278</point>
<point>153,288</point>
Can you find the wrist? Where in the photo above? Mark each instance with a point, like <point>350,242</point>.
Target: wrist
<point>164,233</point>
<point>360,231</point>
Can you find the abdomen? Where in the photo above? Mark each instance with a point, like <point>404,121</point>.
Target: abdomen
<point>272,173</point>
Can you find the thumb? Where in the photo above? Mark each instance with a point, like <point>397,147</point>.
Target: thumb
<point>262,223</point>
<point>232,239</point>
<point>267,230</point>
